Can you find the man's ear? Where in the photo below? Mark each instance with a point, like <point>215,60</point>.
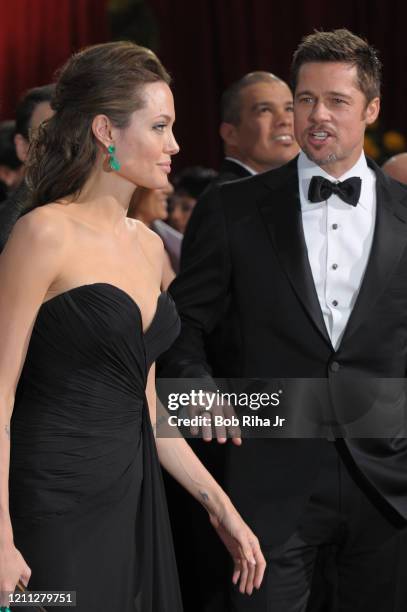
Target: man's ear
<point>22,145</point>
<point>228,133</point>
<point>103,130</point>
<point>372,111</point>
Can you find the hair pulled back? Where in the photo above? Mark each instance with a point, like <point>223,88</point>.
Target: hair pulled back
<point>103,79</point>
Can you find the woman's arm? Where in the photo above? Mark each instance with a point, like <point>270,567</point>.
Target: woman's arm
<point>28,266</point>
<point>180,461</point>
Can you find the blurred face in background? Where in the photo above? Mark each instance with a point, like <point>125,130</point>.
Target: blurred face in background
<point>41,112</point>
<point>264,136</point>
<point>149,205</point>
<point>180,210</point>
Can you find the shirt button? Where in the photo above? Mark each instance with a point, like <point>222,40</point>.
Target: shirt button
<point>334,226</point>
<point>334,366</point>
<point>334,302</point>
<point>334,266</point>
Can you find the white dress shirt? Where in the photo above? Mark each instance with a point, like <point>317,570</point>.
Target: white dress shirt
<point>338,238</point>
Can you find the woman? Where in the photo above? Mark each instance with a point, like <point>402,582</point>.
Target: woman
<point>82,320</point>
<point>149,206</point>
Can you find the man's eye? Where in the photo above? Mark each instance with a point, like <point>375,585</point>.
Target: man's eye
<point>306,100</point>
<point>339,101</point>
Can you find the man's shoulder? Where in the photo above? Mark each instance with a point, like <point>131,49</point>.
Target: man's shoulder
<point>259,184</point>
<point>238,197</point>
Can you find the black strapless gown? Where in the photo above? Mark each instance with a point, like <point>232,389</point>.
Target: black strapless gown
<point>86,495</point>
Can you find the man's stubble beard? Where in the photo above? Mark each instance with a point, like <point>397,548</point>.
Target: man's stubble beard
<point>331,158</point>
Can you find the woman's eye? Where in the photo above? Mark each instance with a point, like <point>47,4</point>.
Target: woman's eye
<point>160,127</point>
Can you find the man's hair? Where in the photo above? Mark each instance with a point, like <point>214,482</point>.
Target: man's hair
<point>27,105</point>
<point>341,46</point>
<point>231,98</point>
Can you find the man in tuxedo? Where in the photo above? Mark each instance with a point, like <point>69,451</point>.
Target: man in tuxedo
<point>312,258</point>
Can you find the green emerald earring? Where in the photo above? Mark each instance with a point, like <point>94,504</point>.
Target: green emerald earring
<point>113,161</point>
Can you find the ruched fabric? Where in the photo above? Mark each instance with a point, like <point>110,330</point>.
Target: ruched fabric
<point>86,494</point>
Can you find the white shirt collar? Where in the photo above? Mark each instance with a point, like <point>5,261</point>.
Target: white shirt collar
<point>237,161</point>
<point>307,169</point>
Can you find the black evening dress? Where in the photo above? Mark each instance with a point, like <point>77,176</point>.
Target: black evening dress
<point>86,495</point>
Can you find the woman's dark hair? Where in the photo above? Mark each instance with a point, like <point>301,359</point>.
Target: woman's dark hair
<point>341,46</point>
<point>104,79</point>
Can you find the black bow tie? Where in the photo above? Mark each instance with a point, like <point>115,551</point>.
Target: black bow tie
<point>321,189</point>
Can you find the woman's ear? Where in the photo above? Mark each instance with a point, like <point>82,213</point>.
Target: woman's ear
<point>103,130</point>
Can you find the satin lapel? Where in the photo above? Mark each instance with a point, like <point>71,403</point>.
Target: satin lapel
<point>389,242</point>
<point>281,211</point>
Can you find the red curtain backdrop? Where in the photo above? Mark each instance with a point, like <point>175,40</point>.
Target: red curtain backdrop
<point>206,44</point>
<point>37,36</point>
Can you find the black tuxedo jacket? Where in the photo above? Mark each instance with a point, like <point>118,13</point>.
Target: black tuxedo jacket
<point>229,171</point>
<point>250,252</point>
<point>222,343</point>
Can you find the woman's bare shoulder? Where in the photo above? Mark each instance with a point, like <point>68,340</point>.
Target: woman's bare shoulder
<point>42,226</point>
<point>149,239</point>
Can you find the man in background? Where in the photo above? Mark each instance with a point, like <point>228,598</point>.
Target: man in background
<point>33,108</point>
<point>396,167</point>
<point>11,169</point>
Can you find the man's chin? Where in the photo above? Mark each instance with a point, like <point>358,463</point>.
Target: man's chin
<point>321,159</point>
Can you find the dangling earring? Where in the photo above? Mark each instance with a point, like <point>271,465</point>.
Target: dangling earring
<point>113,161</point>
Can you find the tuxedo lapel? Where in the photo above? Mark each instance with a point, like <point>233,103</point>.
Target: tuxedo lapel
<point>281,212</point>
<point>389,242</point>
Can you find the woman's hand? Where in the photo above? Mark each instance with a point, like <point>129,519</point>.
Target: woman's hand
<point>243,545</point>
<point>12,569</point>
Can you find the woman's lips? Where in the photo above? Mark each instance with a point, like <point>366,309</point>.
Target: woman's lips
<point>166,167</point>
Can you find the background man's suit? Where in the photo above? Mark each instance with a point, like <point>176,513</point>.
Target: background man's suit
<point>254,259</point>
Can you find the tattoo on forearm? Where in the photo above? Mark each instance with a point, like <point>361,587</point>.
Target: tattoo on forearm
<point>205,498</point>
<point>7,430</point>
